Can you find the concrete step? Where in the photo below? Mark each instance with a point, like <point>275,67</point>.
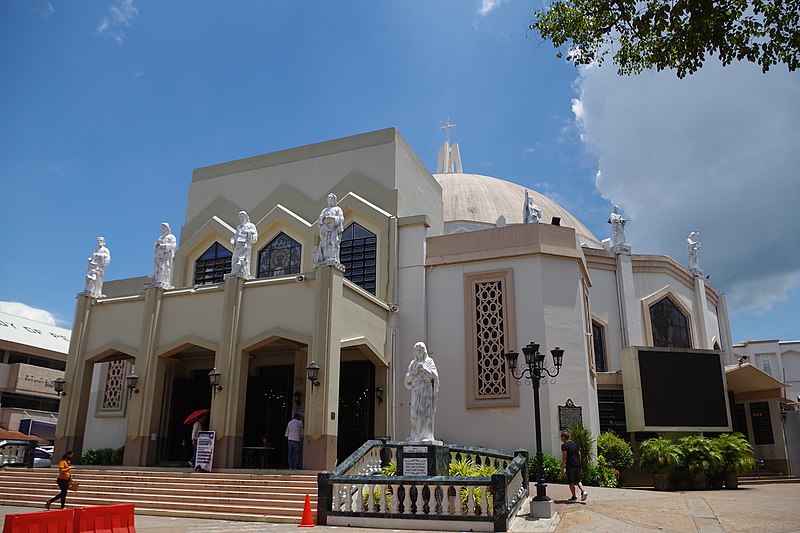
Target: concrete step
<point>251,497</point>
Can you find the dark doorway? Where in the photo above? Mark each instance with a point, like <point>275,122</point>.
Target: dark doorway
<point>356,407</point>
<point>268,410</point>
<point>188,395</point>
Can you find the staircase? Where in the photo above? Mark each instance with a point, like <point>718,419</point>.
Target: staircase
<point>229,496</point>
<point>765,476</point>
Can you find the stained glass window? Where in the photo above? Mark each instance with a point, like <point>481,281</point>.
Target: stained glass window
<point>670,325</point>
<point>280,257</point>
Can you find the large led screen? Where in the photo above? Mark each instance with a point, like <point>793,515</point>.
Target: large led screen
<point>682,389</point>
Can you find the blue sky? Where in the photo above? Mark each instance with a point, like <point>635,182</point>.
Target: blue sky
<point>107,106</point>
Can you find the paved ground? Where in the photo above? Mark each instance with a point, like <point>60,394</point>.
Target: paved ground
<point>753,509</point>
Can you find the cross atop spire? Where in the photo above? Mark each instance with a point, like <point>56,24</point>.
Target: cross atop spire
<point>449,156</point>
<point>446,127</point>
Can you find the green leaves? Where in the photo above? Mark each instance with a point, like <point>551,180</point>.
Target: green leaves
<point>673,34</point>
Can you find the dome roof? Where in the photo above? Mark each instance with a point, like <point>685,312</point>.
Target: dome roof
<point>481,200</point>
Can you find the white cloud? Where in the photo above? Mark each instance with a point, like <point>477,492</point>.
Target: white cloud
<point>25,311</point>
<point>716,151</point>
<point>47,10</point>
<point>487,6</point>
<point>120,16</point>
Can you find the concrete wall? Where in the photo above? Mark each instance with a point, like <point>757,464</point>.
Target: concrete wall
<point>548,302</point>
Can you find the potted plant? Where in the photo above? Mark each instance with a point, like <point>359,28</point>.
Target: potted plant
<point>660,457</point>
<point>737,457</point>
<point>700,458</point>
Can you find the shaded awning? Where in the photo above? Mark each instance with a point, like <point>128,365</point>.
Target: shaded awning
<point>748,378</point>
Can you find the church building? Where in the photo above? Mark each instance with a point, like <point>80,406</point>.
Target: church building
<point>471,265</point>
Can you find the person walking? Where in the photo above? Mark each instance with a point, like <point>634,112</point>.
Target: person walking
<point>571,462</point>
<point>294,433</point>
<point>64,476</point>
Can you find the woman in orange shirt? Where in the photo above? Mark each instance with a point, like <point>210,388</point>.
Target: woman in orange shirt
<point>64,475</point>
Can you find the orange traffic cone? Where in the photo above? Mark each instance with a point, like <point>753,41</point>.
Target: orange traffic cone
<point>307,520</point>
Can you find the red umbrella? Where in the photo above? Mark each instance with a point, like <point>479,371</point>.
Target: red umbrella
<point>195,415</point>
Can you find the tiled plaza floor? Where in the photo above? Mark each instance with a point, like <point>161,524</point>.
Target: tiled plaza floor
<point>753,509</point>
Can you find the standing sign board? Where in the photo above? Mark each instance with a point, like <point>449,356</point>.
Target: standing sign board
<point>205,451</point>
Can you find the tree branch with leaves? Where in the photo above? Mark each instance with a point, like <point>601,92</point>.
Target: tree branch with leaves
<point>673,34</point>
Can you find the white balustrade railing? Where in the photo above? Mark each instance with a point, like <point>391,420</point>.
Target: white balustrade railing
<point>357,488</point>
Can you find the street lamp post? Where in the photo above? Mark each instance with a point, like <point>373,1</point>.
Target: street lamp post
<point>536,372</point>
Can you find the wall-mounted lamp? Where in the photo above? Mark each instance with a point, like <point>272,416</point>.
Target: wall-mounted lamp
<point>133,381</point>
<point>312,373</point>
<point>58,386</point>
<point>213,380</point>
<point>379,394</point>
<point>298,397</point>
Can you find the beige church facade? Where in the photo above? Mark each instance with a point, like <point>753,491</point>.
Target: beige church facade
<point>440,258</point>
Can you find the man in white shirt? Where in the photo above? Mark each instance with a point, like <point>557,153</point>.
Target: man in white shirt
<point>294,434</point>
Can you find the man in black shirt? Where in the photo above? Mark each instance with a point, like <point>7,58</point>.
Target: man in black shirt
<point>571,462</point>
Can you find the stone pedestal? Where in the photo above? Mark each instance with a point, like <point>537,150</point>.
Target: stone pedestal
<point>423,460</point>
<point>542,509</point>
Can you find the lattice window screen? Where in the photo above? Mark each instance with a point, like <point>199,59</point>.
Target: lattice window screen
<point>115,380</point>
<point>490,341</point>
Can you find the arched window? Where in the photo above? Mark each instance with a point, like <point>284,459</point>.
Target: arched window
<point>212,266</point>
<point>357,253</point>
<point>280,257</point>
<point>670,325</point>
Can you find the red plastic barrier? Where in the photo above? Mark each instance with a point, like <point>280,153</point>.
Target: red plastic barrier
<point>43,522</point>
<point>105,519</point>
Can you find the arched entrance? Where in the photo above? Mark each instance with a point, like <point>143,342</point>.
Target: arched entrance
<point>186,389</point>
<point>356,406</point>
<point>275,391</point>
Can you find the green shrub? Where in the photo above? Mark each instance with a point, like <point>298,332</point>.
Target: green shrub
<point>699,454</point>
<point>600,475</point>
<point>583,439</point>
<point>617,453</point>
<point>552,468</point>
<point>103,456</point>
<point>659,456</point>
<point>736,453</point>
<point>390,469</point>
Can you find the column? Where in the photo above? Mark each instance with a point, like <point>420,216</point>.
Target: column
<point>630,311</point>
<point>322,401</point>
<point>699,313</point>
<point>78,382</point>
<point>227,405</point>
<point>144,408</point>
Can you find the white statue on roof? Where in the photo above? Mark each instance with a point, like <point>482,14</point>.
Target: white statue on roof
<point>246,235</point>
<point>163,259</point>
<point>693,246</point>
<point>331,227</point>
<point>95,272</point>
<point>531,214</point>
<point>617,229</point>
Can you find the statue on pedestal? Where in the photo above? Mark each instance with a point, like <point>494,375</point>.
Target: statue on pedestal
<point>163,259</point>
<point>422,379</point>
<point>98,262</point>
<point>617,230</point>
<point>331,227</point>
<point>693,246</point>
<point>531,214</point>
<point>246,235</point>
